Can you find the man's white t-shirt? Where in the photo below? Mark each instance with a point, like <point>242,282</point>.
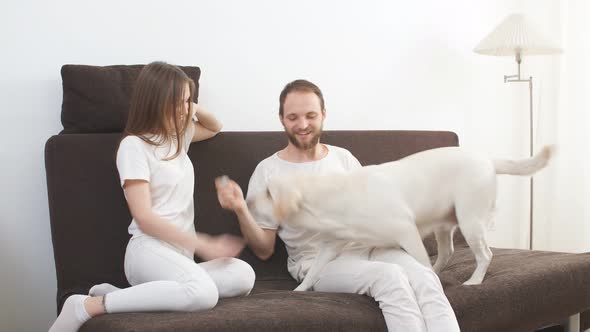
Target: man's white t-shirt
<point>301,245</point>
<point>171,182</point>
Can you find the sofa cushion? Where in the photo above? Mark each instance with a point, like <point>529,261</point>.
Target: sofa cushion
<point>523,290</point>
<point>96,99</point>
<point>277,310</point>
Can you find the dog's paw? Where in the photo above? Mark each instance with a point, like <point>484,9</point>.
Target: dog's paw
<point>302,288</point>
<point>472,282</point>
<point>437,269</point>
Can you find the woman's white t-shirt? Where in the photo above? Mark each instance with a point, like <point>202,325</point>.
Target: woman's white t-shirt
<point>171,182</point>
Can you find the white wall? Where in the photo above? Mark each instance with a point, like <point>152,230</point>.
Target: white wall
<point>382,65</point>
<point>565,214</point>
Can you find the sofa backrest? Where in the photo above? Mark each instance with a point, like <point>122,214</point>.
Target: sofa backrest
<point>89,216</point>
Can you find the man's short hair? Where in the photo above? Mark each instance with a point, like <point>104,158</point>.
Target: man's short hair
<point>299,86</point>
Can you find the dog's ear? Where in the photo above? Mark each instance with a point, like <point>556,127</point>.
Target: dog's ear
<point>286,199</point>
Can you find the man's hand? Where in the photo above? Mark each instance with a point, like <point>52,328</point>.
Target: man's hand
<point>229,194</point>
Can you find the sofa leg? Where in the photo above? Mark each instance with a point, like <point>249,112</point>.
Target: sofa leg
<point>573,323</point>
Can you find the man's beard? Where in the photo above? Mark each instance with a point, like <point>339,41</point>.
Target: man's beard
<point>315,139</point>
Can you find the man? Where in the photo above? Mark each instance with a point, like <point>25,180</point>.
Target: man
<point>409,294</point>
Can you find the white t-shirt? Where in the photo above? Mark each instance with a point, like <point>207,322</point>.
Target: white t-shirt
<point>171,182</point>
<point>301,245</point>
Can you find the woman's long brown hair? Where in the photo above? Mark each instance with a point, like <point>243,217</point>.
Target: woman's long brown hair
<point>156,104</point>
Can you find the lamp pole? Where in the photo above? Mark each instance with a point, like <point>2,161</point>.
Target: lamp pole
<point>517,78</point>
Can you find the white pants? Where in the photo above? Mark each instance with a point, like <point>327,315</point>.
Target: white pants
<point>165,278</point>
<point>410,295</point>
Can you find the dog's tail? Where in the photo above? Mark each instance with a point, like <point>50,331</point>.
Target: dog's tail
<point>526,166</point>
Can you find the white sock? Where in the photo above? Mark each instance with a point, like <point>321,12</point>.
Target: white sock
<point>72,316</point>
<point>102,289</point>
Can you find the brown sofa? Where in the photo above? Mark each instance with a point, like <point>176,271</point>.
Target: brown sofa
<point>523,290</point>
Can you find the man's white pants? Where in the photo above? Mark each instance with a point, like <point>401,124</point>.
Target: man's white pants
<point>409,294</point>
<point>164,278</point>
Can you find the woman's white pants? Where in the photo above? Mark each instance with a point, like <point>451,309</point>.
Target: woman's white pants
<point>166,278</point>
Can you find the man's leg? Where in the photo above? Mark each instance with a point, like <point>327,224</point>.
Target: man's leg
<point>388,284</point>
<point>435,307</point>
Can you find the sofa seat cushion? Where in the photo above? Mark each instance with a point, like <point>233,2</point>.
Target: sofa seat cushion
<point>266,309</point>
<point>523,290</point>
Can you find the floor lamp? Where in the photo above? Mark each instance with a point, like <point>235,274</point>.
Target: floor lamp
<point>514,36</point>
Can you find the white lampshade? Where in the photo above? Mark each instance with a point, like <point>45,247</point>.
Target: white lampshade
<point>515,35</point>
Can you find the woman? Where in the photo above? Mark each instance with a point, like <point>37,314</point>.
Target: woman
<point>157,177</point>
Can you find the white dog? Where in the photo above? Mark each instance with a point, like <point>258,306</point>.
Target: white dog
<point>397,204</point>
